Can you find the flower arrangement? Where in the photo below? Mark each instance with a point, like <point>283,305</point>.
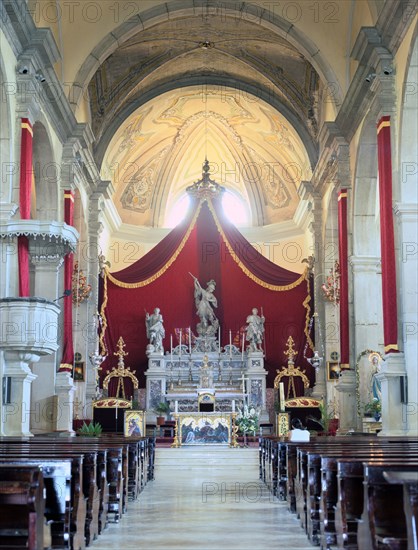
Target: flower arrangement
<point>373,408</point>
<point>331,288</point>
<point>247,420</point>
<point>81,290</point>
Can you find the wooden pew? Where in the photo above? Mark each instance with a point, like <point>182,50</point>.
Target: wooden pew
<point>22,507</point>
<point>109,462</point>
<point>409,481</point>
<point>351,498</point>
<point>63,507</point>
<point>383,521</point>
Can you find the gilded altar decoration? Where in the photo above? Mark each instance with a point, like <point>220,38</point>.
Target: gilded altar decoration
<point>331,288</point>
<point>207,428</point>
<point>81,290</point>
<point>120,372</point>
<point>282,424</point>
<point>205,188</point>
<point>291,371</point>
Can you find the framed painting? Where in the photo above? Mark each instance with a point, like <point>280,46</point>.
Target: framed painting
<point>333,370</point>
<point>134,423</point>
<point>79,371</point>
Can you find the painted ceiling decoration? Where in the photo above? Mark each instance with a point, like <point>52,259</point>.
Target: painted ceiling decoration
<point>193,88</point>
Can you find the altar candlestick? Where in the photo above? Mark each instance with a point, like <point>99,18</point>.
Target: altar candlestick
<point>281,395</point>
<point>171,349</point>
<point>219,340</point>
<point>176,406</point>
<point>230,345</point>
<point>242,353</point>
<point>190,341</point>
<point>233,405</point>
<point>181,341</point>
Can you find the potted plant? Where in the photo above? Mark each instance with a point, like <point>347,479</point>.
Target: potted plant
<point>93,429</point>
<point>327,420</point>
<point>161,410</point>
<point>373,408</point>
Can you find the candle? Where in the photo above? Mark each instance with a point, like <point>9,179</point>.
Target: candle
<point>281,395</point>
<point>176,406</point>
<point>233,405</point>
<point>171,348</point>
<point>181,341</point>
<point>242,354</point>
<point>219,340</point>
<point>190,341</point>
<point>230,345</point>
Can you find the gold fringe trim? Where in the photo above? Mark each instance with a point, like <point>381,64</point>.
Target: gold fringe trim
<point>103,350</point>
<point>383,124</point>
<point>28,127</point>
<point>391,347</point>
<point>65,367</point>
<point>276,288</point>
<point>167,265</point>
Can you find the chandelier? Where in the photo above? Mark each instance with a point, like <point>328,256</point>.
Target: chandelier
<point>331,288</point>
<point>81,290</point>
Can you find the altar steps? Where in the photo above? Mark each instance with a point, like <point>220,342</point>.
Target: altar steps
<point>209,457</point>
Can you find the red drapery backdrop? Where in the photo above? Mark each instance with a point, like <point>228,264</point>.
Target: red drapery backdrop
<point>68,348</point>
<point>209,247</point>
<point>25,185</point>
<point>343,255</point>
<point>387,238</point>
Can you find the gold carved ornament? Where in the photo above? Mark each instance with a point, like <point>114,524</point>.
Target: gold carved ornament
<point>120,372</point>
<point>291,371</point>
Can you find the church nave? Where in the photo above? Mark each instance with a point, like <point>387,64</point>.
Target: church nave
<point>203,498</point>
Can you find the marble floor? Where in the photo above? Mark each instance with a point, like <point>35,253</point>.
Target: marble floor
<point>203,499</point>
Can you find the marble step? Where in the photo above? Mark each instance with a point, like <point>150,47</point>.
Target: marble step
<point>206,456</point>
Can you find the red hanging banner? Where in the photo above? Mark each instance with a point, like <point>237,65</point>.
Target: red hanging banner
<point>387,237</point>
<point>68,347</point>
<point>343,255</point>
<point>25,184</point>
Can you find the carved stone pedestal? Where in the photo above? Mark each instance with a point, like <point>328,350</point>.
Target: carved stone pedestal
<point>394,419</point>
<point>17,413</point>
<point>347,388</point>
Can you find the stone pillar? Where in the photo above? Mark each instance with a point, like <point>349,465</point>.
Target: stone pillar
<point>306,192</point>
<point>46,270</point>
<point>95,227</point>
<point>407,218</point>
<point>394,419</point>
<point>64,388</point>
<point>368,329</point>
<point>17,414</point>
<point>346,386</point>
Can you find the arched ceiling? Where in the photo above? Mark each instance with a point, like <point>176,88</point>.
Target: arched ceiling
<point>159,151</point>
<point>197,86</point>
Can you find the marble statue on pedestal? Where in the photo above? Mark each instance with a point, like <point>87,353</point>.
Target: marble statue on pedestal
<point>255,330</point>
<point>205,301</point>
<point>155,330</point>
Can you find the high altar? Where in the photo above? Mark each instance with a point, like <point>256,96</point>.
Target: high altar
<point>207,380</point>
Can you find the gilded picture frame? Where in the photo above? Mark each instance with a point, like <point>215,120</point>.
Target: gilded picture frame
<point>79,368</point>
<point>134,423</point>
<point>333,370</point>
